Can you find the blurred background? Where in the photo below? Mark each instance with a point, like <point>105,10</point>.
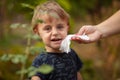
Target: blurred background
<point>19,46</point>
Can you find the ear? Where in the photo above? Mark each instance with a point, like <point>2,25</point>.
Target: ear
<point>35,29</point>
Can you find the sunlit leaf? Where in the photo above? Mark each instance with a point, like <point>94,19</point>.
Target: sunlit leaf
<point>15,60</point>
<point>45,69</point>
<point>10,56</point>
<point>27,5</point>
<point>36,37</point>
<point>24,25</point>
<point>31,69</point>
<point>15,25</point>
<point>4,57</point>
<point>31,73</point>
<point>23,59</point>
<point>22,71</point>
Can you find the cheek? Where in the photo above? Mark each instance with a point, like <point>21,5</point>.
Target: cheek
<point>66,30</point>
<point>44,37</point>
<point>64,33</point>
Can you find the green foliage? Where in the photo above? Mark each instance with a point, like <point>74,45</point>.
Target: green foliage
<point>17,25</point>
<point>65,4</point>
<point>27,6</point>
<point>28,28</point>
<point>76,8</point>
<point>44,68</point>
<point>24,57</point>
<point>14,58</point>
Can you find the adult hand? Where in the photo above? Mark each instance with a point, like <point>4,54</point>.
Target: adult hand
<point>91,31</point>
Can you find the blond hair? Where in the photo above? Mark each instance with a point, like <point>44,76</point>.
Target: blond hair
<point>49,7</point>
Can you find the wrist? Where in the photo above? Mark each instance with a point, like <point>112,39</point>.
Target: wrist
<point>99,31</point>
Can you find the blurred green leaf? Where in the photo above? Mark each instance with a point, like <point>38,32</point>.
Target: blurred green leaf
<point>31,69</point>
<point>24,25</point>
<point>15,60</point>
<point>31,73</point>
<point>4,57</point>
<point>35,37</point>
<point>22,71</point>
<point>10,56</point>
<point>45,69</point>
<point>14,25</point>
<point>27,6</point>
<point>23,59</point>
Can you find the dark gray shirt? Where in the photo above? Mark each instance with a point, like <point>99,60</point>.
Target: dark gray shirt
<point>65,65</point>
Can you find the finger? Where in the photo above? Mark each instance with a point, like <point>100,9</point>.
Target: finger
<point>79,40</point>
<point>82,30</point>
<point>76,40</point>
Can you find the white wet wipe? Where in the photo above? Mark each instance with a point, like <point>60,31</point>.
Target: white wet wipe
<point>65,44</point>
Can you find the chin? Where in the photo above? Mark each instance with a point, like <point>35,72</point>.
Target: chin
<point>56,48</point>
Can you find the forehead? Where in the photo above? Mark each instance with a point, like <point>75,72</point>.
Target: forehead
<point>50,17</point>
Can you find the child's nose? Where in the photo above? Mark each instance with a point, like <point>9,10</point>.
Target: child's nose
<point>54,31</point>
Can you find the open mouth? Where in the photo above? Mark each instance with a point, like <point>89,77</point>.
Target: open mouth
<point>56,39</point>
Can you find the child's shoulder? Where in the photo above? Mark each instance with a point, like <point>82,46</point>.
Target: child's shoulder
<point>73,52</point>
<point>40,59</point>
<point>43,58</point>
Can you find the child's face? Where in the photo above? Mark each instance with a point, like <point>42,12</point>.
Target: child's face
<point>52,31</point>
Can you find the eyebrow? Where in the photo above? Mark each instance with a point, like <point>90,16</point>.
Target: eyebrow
<point>60,24</point>
<point>47,25</point>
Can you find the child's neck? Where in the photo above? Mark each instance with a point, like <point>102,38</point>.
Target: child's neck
<point>53,50</point>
